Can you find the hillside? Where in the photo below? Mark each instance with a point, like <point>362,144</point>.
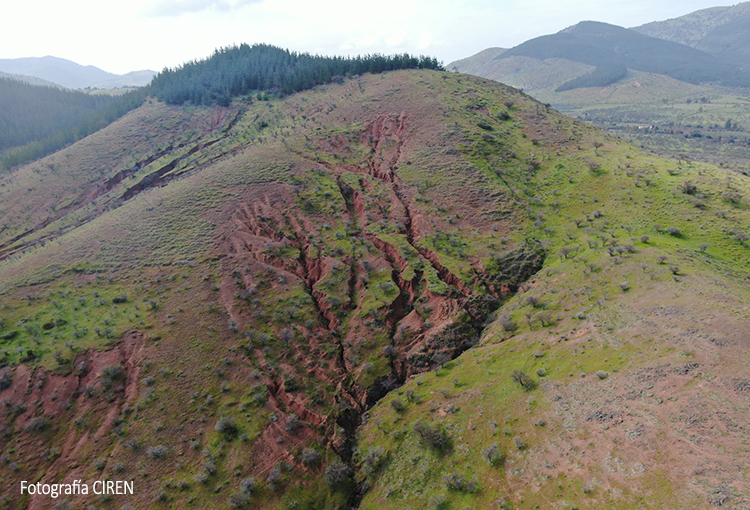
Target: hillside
<point>256,306</point>
<point>39,120</point>
<point>72,75</point>
<point>33,113</point>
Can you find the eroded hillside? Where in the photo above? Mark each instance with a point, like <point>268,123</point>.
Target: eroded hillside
<point>213,302</point>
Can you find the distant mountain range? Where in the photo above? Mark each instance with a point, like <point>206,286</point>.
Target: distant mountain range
<point>711,46</point>
<point>71,75</point>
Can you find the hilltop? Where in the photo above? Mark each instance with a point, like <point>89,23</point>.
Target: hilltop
<point>400,289</point>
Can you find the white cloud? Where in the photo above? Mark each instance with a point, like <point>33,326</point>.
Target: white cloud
<point>425,40</point>
<point>168,8</point>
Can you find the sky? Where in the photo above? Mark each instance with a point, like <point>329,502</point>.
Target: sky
<point>153,34</point>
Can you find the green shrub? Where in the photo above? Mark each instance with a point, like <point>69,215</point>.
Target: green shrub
<point>338,473</point>
<point>494,455</point>
<point>524,379</point>
<point>434,435</point>
<point>226,426</point>
<point>310,457</point>
<point>373,460</point>
<point>457,482</point>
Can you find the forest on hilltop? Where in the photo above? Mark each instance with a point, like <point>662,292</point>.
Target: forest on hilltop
<point>239,70</point>
<point>36,121</point>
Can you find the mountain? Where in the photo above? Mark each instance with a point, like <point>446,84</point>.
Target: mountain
<point>591,51</point>
<point>405,289</point>
<point>71,75</point>
<point>601,44</point>
<point>719,31</point>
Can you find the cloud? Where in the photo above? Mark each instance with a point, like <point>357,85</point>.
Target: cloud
<point>174,8</point>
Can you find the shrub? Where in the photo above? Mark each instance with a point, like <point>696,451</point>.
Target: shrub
<point>533,301</point>
<point>273,478</point>
<point>226,426</point>
<point>493,455</point>
<point>38,424</point>
<point>601,374</point>
<point>508,323</point>
<point>157,452</point>
<point>434,435</point>
<point>6,379</point>
<point>390,351</point>
<point>338,473</point>
<point>688,188</point>
<point>674,231</point>
<point>112,372</point>
<point>520,443</point>
<point>524,379</point>
<point>594,166</point>
<point>732,197</point>
<point>546,318</point>
<point>310,457</point>
<point>398,405</point>
<point>238,500</point>
<point>293,423</point>
<point>457,482</point>
<point>373,460</point>
<point>740,236</point>
<point>247,485</point>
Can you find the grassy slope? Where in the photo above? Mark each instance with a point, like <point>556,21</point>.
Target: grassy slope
<point>259,237</point>
<point>656,431</point>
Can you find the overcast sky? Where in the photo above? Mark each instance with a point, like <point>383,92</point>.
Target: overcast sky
<point>152,34</point>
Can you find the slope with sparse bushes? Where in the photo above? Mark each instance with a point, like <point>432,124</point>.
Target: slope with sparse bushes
<point>406,289</point>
